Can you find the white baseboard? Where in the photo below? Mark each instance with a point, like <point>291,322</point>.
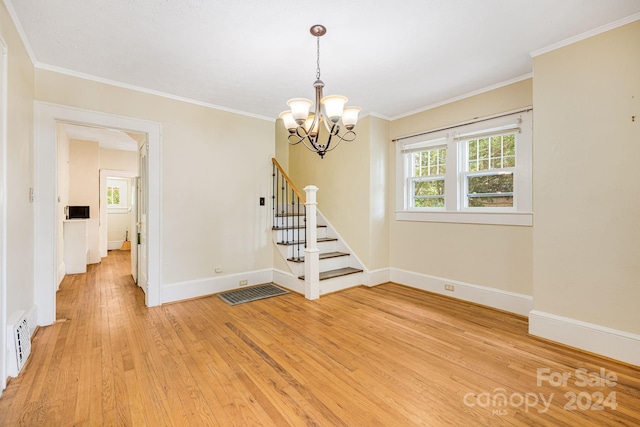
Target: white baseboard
<point>114,245</point>
<point>212,285</point>
<point>32,319</point>
<point>608,342</point>
<point>496,298</point>
<point>378,277</point>
<point>288,280</point>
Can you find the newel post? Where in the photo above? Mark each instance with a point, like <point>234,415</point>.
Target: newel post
<point>311,252</point>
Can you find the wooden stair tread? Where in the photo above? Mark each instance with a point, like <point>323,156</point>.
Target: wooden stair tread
<point>325,255</point>
<point>320,239</point>
<point>324,275</point>
<point>302,227</point>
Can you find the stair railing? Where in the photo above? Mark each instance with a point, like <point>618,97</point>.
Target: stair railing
<point>289,212</point>
<point>292,215</point>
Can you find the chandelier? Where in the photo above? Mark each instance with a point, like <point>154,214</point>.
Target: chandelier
<point>330,110</point>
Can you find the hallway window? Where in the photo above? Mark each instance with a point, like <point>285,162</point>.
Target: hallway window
<point>117,194</point>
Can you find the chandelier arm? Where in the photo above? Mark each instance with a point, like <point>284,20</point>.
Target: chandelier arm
<point>348,136</point>
<point>301,135</point>
<point>293,141</point>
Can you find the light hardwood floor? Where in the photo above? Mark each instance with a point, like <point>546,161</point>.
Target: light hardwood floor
<point>382,356</point>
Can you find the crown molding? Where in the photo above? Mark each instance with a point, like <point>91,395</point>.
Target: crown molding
<point>594,32</point>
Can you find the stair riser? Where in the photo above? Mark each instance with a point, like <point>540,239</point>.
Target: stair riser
<point>322,247</point>
<point>325,265</point>
<point>339,283</point>
<point>334,263</point>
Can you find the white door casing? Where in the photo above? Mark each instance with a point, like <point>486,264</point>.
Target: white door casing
<point>133,236</point>
<point>3,215</point>
<point>143,192</point>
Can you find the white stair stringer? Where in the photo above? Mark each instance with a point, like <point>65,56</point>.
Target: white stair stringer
<point>335,254</point>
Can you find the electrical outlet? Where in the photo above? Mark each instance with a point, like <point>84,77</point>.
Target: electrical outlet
<point>449,288</point>
<point>243,282</point>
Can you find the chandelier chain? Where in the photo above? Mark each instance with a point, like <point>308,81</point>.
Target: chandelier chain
<point>318,59</point>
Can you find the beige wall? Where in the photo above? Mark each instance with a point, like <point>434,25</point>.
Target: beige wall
<point>84,188</point>
<point>463,252</point>
<point>586,243</point>
<point>19,169</point>
<point>215,166</point>
<point>348,196</point>
<point>379,194</point>
<point>119,160</point>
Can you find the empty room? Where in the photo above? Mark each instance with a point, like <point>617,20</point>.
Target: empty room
<point>328,214</point>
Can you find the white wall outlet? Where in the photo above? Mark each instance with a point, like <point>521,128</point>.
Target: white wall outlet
<point>243,283</point>
<point>218,269</point>
<point>448,287</point>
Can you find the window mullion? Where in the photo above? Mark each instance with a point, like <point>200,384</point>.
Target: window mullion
<point>451,186</point>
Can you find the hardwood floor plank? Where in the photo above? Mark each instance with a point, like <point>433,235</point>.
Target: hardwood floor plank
<point>388,355</point>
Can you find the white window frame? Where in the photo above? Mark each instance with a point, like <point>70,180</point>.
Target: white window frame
<point>431,144</point>
<point>456,137</point>
<point>123,184</point>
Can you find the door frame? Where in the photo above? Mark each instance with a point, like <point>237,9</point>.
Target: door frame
<point>3,214</point>
<point>46,116</point>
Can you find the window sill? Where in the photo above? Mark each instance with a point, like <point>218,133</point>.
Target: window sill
<point>510,218</point>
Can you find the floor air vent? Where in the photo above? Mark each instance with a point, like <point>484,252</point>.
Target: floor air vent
<point>252,294</point>
<point>20,344</point>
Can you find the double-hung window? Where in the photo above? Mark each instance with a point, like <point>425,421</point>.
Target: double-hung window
<point>425,181</point>
<point>477,172</point>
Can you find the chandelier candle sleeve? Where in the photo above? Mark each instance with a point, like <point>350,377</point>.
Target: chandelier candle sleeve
<point>304,126</point>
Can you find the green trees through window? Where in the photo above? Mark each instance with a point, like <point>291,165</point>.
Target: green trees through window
<point>491,158</point>
<point>113,196</point>
<point>429,168</point>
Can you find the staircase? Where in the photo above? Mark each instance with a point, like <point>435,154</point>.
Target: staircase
<point>338,269</point>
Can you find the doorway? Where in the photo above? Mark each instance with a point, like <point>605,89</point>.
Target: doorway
<point>119,215</point>
<point>45,153</point>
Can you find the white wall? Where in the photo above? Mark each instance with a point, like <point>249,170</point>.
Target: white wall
<point>119,222</point>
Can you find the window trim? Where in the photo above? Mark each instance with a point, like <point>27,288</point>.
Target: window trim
<point>455,211</point>
<point>125,198</point>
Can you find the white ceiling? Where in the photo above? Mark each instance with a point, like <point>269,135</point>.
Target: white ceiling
<point>106,138</point>
<point>389,57</point>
